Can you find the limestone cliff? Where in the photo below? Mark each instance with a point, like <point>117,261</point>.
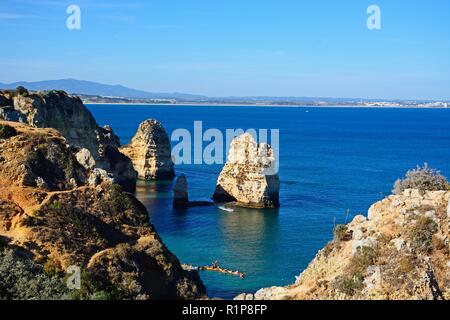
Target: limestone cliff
<point>401,251</point>
<point>67,114</point>
<point>248,177</point>
<point>150,152</point>
<point>50,209</point>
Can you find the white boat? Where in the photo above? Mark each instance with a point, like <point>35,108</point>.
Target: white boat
<point>226,209</point>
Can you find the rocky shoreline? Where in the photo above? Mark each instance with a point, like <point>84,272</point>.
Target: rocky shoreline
<point>63,204</point>
<point>52,212</point>
<point>64,200</point>
<point>399,252</point>
<point>68,115</point>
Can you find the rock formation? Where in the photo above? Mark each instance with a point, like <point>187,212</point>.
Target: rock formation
<point>180,193</point>
<point>181,197</point>
<point>401,251</point>
<point>49,210</point>
<point>67,114</point>
<point>249,177</point>
<point>150,152</point>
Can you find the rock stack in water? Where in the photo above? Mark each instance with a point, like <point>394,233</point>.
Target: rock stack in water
<point>249,176</point>
<point>181,197</point>
<point>67,114</point>
<point>180,193</point>
<point>150,152</point>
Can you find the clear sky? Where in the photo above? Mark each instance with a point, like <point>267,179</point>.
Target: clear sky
<point>234,47</point>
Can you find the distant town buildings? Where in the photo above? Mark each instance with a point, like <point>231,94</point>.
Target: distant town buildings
<point>416,104</point>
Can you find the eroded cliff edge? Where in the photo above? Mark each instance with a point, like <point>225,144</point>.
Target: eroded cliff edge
<point>400,251</point>
<point>66,113</point>
<point>62,214</point>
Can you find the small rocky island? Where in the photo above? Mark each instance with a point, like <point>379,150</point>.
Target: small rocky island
<point>150,152</point>
<point>248,178</point>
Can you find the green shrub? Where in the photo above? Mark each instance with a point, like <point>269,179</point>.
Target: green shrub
<point>352,281</point>
<point>421,234</point>
<point>120,205</point>
<point>22,279</point>
<point>422,178</point>
<point>56,205</point>
<point>52,268</point>
<point>363,258</point>
<point>350,285</point>
<point>3,242</point>
<point>118,201</point>
<point>328,249</point>
<point>7,132</point>
<point>405,265</point>
<point>341,233</point>
<point>78,226</point>
<point>95,287</point>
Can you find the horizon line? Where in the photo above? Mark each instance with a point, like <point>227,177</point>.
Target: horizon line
<point>212,96</point>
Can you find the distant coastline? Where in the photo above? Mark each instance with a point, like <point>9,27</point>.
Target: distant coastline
<point>265,102</point>
<point>206,104</point>
<point>99,93</point>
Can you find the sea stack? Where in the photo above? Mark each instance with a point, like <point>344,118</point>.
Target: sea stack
<point>150,152</point>
<point>181,198</point>
<point>180,193</point>
<point>249,176</point>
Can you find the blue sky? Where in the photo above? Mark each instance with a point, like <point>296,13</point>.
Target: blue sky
<point>229,47</point>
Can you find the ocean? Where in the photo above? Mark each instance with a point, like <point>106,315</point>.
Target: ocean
<point>334,163</point>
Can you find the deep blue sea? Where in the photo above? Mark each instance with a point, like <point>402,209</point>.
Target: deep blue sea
<point>334,163</point>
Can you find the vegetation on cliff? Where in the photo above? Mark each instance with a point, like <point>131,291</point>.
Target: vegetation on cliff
<point>401,250</point>
<point>7,132</point>
<point>422,178</point>
<point>23,278</point>
<point>50,211</point>
<point>67,114</point>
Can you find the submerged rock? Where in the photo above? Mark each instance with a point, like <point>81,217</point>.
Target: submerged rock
<point>150,152</point>
<point>67,114</point>
<point>249,176</point>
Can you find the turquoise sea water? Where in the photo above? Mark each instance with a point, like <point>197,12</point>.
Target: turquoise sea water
<point>334,163</point>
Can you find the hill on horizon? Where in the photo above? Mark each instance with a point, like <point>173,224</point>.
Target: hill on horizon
<point>91,88</point>
<point>74,86</point>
